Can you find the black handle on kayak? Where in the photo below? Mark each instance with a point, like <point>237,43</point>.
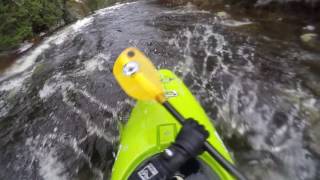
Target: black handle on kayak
<point>208,147</point>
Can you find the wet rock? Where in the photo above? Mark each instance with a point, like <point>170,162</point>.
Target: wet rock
<point>313,137</point>
<point>311,41</point>
<point>308,37</point>
<point>311,81</point>
<point>77,9</point>
<point>223,15</point>
<point>313,85</point>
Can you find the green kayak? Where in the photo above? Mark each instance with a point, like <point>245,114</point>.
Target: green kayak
<point>150,129</point>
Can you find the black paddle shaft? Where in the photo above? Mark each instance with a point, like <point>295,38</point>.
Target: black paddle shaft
<point>208,147</point>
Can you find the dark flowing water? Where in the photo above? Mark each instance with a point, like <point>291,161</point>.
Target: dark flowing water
<point>60,105</point>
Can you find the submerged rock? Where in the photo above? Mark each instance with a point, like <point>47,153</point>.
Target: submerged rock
<point>77,9</point>
<point>311,80</point>
<point>311,40</point>
<point>223,15</point>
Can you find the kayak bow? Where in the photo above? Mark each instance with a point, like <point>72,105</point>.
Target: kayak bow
<point>151,128</point>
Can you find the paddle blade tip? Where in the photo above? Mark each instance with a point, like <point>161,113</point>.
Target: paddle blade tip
<point>137,75</point>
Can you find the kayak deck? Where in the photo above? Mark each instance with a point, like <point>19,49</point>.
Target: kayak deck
<point>150,129</point>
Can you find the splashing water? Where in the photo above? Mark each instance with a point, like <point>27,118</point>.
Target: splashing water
<point>246,107</point>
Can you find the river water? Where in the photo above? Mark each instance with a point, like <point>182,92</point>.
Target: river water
<point>60,106</point>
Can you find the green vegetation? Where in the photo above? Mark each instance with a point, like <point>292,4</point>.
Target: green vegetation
<point>23,19</point>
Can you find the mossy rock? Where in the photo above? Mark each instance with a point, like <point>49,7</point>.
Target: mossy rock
<point>223,15</point>
<point>77,9</point>
<point>311,81</point>
<point>311,41</point>
<point>313,138</point>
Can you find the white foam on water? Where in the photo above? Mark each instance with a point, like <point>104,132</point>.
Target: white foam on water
<point>101,105</point>
<point>27,61</point>
<point>91,65</point>
<point>203,32</point>
<point>58,84</point>
<point>24,47</point>
<point>48,90</point>
<point>112,8</point>
<point>187,65</point>
<point>42,149</point>
<point>235,23</point>
<point>50,167</point>
<point>310,103</point>
<point>189,8</point>
<point>218,50</point>
<point>96,63</point>
<point>91,127</point>
<point>309,28</point>
<point>3,109</point>
<point>14,83</point>
<point>239,105</point>
<point>70,31</point>
<point>52,85</point>
<point>82,23</point>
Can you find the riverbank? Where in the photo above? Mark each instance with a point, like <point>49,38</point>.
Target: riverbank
<point>15,46</point>
<point>26,23</point>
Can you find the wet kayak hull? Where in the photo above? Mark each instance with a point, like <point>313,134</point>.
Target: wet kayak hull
<point>150,129</point>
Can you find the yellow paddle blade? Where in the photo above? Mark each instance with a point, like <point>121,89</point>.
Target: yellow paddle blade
<point>137,76</point>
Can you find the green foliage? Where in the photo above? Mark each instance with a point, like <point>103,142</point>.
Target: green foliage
<point>22,19</point>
